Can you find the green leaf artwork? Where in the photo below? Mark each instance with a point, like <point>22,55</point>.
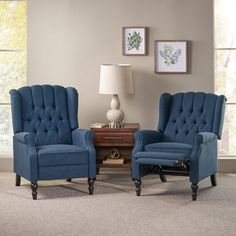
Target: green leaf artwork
<point>134,40</point>
<point>171,56</point>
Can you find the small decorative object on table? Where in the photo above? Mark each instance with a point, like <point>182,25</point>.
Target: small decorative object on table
<point>135,41</point>
<point>116,79</point>
<point>171,56</point>
<point>113,157</point>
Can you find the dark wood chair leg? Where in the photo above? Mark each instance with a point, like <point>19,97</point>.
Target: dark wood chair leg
<point>163,177</point>
<point>91,186</point>
<point>68,180</point>
<point>194,191</point>
<point>137,186</point>
<point>18,180</point>
<point>97,170</point>
<point>34,187</point>
<point>213,180</point>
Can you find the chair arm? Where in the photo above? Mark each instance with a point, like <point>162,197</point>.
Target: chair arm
<point>85,138</point>
<point>25,138</point>
<point>144,137</point>
<point>203,162</point>
<point>204,137</point>
<point>25,156</point>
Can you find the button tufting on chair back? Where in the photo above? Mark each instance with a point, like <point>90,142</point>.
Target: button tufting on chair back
<point>44,112</point>
<point>182,115</point>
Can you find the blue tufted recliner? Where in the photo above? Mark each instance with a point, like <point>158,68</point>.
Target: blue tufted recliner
<point>185,142</point>
<point>47,143</point>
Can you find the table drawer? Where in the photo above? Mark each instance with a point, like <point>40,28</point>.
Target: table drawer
<point>114,138</point>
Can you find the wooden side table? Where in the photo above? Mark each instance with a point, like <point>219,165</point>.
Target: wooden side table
<point>120,140</point>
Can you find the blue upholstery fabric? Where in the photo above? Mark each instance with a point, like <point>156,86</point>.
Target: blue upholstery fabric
<point>63,172</point>
<point>16,111</point>
<point>72,98</point>
<point>44,118</point>
<point>189,114</point>
<point>25,157</point>
<point>59,154</point>
<point>144,137</point>
<point>169,147</point>
<point>44,114</point>
<point>188,129</point>
<point>203,161</point>
<point>84,138</point>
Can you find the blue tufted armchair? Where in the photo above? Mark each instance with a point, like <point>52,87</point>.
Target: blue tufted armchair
<point>47,143</point>
<point>185,142</point>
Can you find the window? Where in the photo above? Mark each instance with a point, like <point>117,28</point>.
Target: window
<point>12,63</point>
<point>225,71</point>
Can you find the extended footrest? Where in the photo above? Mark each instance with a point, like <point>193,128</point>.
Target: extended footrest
<point>160,162</point>
<point>161,158</point>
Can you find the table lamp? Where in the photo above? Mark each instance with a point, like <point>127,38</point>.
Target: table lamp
<point>116,79</point>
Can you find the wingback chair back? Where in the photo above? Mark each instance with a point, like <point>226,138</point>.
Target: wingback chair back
<point>183,115</point>
<point>49,113</point>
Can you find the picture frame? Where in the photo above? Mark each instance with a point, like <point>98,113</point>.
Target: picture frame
<point>135,41</point>
<point>171,56</point>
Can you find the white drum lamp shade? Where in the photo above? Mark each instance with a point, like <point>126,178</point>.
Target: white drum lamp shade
<point>116,79</point>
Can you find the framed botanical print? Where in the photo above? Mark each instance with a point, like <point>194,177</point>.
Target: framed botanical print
<point>171,56</point>
<point>134,41</point>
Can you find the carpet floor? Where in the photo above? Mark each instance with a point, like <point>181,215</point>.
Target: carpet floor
<point>66,209</point>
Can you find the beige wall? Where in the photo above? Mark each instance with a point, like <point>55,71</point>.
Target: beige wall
<point>68,40</point>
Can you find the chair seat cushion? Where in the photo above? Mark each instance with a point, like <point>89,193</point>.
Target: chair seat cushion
<point>169,147</point>
<point>61,154</point>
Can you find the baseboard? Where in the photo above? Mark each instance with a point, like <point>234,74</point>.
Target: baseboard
<point>224,165</point>
<point>227,165</point>
<point>6,164</point>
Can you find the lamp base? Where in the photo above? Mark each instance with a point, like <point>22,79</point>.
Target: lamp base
<point>115,115</point>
